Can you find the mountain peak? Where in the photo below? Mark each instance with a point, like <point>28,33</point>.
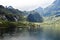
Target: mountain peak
<point>1,6</point>
<point>40,11</point>
<point>57,2</point>
<point>39,8</point>
<point>10,7</point>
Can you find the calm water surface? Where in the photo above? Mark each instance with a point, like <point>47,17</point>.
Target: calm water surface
<point>31,35</point>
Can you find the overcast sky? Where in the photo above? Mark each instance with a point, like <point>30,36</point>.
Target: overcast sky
<point>26,4</point>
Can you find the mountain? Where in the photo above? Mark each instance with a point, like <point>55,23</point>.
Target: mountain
<point>39,10</point>
<point>52,9</point>
<point>13,10</point>
<point>10,14</point>
<point>34,17</point>
<point>16,11</point>
<point>9,7</point>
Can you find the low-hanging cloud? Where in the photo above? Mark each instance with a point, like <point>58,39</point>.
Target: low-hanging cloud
<point>26,4</point>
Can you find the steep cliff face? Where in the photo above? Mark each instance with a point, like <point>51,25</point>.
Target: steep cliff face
<point>34,17</point>
<point>10,14</point>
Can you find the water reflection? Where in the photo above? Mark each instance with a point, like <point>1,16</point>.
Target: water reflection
<point>32,35</point>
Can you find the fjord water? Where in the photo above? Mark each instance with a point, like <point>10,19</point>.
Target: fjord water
<point>38,34</point>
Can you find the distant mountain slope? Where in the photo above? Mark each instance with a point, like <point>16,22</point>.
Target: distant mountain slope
<point>52,9</point>
<point>40,11</point>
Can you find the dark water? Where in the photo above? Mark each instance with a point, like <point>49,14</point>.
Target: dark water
<point>32,35</point>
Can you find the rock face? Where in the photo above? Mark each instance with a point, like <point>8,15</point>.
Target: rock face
<point>53,8</point>
<point>10,18</point>
<point>34,17</point>
<point>10,14</point>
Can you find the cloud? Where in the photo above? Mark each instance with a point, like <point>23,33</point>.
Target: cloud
<point>26,4</point>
